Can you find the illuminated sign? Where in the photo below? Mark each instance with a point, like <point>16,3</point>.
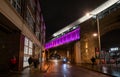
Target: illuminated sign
<point>114,49</point>
<point>69,37</point>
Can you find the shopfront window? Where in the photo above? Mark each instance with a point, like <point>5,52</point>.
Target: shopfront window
<point>28,49</point>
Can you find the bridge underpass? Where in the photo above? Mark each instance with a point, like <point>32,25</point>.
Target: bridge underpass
<point>66,50</point>
<point>65,46</point>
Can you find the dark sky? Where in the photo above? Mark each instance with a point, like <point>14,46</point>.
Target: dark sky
<point>60,13</point>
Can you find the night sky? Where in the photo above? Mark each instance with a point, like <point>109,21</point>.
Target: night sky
<point>60,13</point>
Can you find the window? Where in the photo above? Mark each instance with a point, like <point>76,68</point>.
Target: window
<point>38,19</point>
<point>28,46</point>
<point>32,4</point>
<point>25,49</point>
<point>37,34</point>
<point>16,4</point>
<point>30,20</point>
<point>28,50</point>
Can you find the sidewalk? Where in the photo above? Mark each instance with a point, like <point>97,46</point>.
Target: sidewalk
<point>45,66</point>
<point>28,72</point>
<point>109,69</point>
<point>41,68</point>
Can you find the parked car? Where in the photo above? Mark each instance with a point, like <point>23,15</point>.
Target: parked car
<point>55,56</point>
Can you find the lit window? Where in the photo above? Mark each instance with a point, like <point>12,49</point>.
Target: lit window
<point>28,49</point>
<point>25,49</point>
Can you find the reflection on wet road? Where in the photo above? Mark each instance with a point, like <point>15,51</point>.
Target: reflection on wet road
<point>58,69</point>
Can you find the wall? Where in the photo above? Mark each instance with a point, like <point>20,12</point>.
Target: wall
<point>77,52</point>
<point>9,45</point>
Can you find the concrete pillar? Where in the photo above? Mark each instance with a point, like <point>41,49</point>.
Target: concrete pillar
<point>68,54</point>
<point>77,52</point>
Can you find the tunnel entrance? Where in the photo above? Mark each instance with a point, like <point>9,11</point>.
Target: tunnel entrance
<point>63,51</point>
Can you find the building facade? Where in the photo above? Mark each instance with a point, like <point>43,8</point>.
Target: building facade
<point>22,31</point>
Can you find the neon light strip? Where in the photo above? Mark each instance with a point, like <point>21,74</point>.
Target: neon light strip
<point>99,9</point>
<point>69,37</point>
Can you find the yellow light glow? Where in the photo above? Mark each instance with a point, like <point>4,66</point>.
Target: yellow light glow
<point>95,34</point>
<point>86,45</point>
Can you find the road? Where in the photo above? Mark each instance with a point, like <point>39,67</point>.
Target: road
<point>67,70</point>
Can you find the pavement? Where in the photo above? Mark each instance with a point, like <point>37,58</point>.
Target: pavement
<point>108,69</point>
<point>28,71</point>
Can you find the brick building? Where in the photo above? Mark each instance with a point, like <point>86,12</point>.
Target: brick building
<point>22,31</point>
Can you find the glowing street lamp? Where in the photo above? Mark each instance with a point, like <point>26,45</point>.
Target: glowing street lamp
<point>95,34</point>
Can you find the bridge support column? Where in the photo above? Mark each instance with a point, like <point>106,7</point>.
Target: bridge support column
<point>77,52</point>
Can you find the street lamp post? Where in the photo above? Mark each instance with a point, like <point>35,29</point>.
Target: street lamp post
<point>99,40</point>
<point>98,31</point>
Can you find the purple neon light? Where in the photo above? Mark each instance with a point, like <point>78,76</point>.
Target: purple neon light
<point>69,37</point>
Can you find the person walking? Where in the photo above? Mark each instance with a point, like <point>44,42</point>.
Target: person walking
<point>93,61</point>
<point>35,61</point>
<point>30,61</point>
<point>13,63</point>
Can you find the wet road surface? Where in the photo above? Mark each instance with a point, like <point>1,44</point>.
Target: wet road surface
<point>68,70</point>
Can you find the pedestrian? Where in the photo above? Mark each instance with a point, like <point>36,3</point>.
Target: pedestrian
<point>30,61</point>
<point>13,63</point>
<point>93,60</point>
<point>36,62</point>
